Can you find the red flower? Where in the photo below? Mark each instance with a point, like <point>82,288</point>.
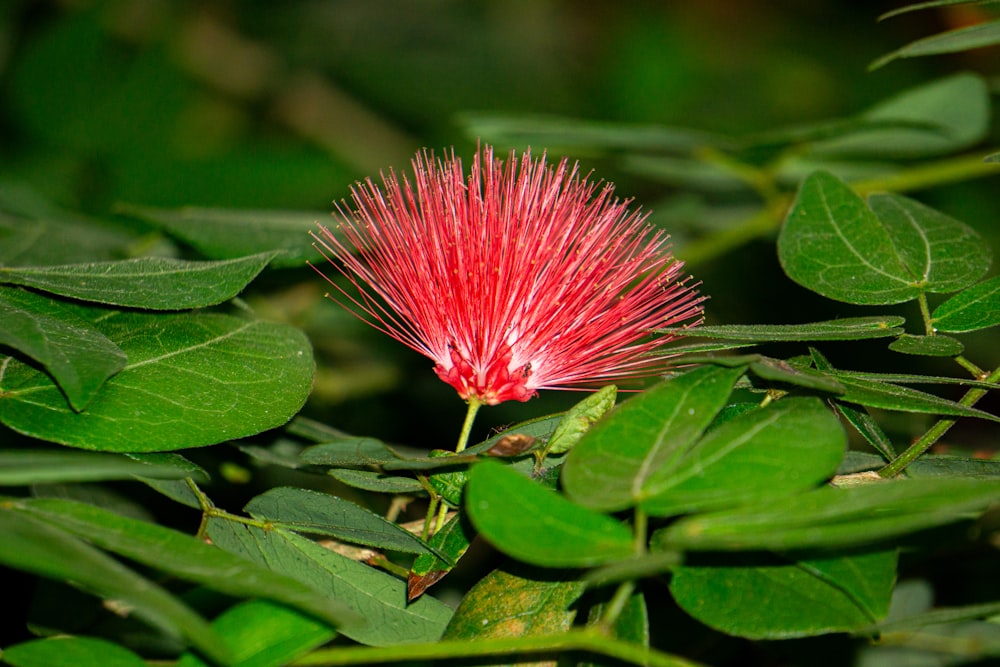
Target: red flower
<point>521,277</point>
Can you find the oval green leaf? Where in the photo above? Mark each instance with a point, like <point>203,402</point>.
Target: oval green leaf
<point>834,245</point>
<point>70,652</point>
<point>770,452</point>
<point>191,380</point>
<point>970,310</point>
<point>531,523</point>
<point>629,455</point>
<point>927,346</point>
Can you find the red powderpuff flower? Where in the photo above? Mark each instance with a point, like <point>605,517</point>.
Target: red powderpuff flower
<point>516,278</point>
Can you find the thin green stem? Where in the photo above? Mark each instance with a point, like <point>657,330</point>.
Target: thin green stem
<point>936,432</point>
<point>435,520</point>
<point>574,640</point>
<point>925,312</point>
<point>614,608</point>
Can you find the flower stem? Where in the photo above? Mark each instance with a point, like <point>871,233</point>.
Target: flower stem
<point>463,441</point>
<point>470,417</point>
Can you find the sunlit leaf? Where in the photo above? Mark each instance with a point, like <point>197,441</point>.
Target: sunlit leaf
<point>850,328</point>
<point>70,652</point>
<point>578,420</point>
<point>629,455</point>
<point>191,379</point>
<point>536,525</point>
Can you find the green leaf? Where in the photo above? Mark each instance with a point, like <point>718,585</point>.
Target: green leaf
<point>349,451</point>
<point>192,379</point>
<point>222,233</point>
<point>927,346</point>
<point>20,468</point>
<point>833,244</point>
<point>629,455</point>
<point>453,540</point>
<point>578,420</point>
<point>374,596</point>
<point>70,652</point>
<point>559,134</point>
<point>803,597</point>
<point>36,546</point>
<point>77,356</point>
<point>993,157</point>
<point>833,517</point>
<point>905,9</point>
<point>323,514</point>
<point>850,328</point>
<point>770,452</point>
<point>776,370</point>
<point>970,310</point>
<point>377,482</point>
<point>154,283</point>
<point>263,634</point>
<point>944,116</point>
<point>960,39</point>
<point>516,603</point>
<point>945,254</point>
<point>531,523</point>
<point>182,556</point>
<point>887,396</point>
<point>631,625</point>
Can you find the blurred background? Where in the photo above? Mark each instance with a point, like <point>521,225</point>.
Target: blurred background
<point>264,105</point>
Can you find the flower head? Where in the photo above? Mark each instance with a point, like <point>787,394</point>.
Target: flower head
<point>518,277</point>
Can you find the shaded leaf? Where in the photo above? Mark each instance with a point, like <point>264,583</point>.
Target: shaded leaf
<point>927,346</point>
<point>323,514</point>
<point>834,517</point>
<point>453,540</point>
<point>850,328</point>
<point>78,356</point>
<point>533,524</point>
<point>970,310</point>
<point>35,546</point>
<point>377,482</point>
<point>182,556</point>
<point>630,454</point>
<point>349,451</point>
<point>892,397</point>
<point>222,233</point>
<point>789,446</point>
<point>807,597</point>
<point>19,468</point>
<point>154,283</point>
<point>960,39</point>
<point>374,596</point>
<point>191,380</point>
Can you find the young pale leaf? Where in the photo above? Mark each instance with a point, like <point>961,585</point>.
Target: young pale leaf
<point>77,356</point>
<point>20,468</point>
<point>802,598</point>
<point>579,419</point>
<point>263,634</point>
<point>777,370</point>
<point>629,455</point>
<point>960,39</point>
<point>153,283</point>
<point>222,233</point>
<point>36,546</point>
<point>848,328</point>
<point>323,514</point>
<point>945,254</point>
<point>516,604</point>
<point>182,556</point>
<point>192,379</point>
<point>833,244</point>
<point>834,517</point>
<point>776,451</point>
<point>376,597</point>
<point>927,346</point>
<point>970,310</point>
<point>70,652</point>
<point>526,521</point>
<point>944,116</point>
